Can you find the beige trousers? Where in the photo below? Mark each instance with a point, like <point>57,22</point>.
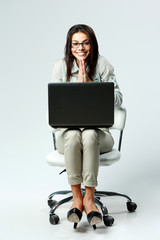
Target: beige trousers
<point>81,149</point>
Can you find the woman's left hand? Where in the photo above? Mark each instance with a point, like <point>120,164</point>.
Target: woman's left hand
<point>83,75</point>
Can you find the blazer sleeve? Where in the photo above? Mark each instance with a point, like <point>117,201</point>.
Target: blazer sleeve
<point>107,75</point>
<point>57,73</point>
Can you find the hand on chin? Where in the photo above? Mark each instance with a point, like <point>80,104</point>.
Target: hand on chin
<point>80,58</point>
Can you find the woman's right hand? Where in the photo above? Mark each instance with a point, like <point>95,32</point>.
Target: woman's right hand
<point>82,75</point>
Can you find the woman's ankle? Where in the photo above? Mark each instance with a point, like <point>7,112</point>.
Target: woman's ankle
<point>89,202</point>
<point>77,197</point>
<point>89,206</point>
<point>78,203</point>
<point>89,193</point>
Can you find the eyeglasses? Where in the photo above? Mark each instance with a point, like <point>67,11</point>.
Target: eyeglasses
<point>84,44</point>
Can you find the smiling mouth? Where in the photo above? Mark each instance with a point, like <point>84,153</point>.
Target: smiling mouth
<point>81,53</point>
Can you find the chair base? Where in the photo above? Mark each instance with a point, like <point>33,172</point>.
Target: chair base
<point>107,219</point>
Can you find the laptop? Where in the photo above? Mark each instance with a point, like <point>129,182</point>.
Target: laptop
<point>81,105</point>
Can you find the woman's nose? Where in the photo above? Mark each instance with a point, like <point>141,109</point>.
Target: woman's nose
<point>80,46</point>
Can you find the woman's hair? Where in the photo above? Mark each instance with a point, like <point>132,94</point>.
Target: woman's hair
<point>93,56</point>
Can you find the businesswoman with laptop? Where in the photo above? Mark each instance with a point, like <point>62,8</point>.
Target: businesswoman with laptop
<point>81,147</point>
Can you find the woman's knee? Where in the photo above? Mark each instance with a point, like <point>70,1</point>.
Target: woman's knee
<point>72,137</point>
<point>90,137</point>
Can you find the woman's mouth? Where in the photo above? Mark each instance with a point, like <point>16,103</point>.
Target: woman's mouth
<point>81,54</point>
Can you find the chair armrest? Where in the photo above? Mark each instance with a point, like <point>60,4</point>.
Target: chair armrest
<point>51,129</point>
<point>119,118</point>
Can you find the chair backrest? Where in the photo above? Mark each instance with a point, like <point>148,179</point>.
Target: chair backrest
<point>119,123</point>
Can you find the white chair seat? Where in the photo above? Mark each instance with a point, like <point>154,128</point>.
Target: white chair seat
<point>56,159</point>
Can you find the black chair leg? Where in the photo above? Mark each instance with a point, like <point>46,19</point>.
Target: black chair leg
<point>107,219</point>
<point>131,206</point>
<point>54,218</point>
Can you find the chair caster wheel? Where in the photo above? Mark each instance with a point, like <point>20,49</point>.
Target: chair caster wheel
<point>51,202</point>
<point>131,206</point>
<point>54,219</point>
<point>108,220</point>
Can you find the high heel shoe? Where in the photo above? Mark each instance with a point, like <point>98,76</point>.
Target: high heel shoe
<point>74,215</point>
<point>93,218</point>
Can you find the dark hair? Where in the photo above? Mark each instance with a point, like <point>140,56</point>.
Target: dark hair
<point>92,58</point>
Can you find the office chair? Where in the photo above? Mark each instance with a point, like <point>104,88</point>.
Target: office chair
<point>106,159</point>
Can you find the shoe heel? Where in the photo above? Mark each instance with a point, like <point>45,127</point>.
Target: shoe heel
<point>74,215</point>
<point>75,225</point>
<point>94,218</point>
<point>94,227</point>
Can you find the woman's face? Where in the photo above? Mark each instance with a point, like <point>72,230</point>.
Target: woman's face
<point>81,46</point>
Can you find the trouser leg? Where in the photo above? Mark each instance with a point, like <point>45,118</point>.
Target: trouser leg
<point>69,143</point>
<point>82,152</point>
<point>90,145</point>
<point>94,142</point>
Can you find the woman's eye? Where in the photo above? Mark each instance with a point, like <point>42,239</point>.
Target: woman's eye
<point>86,43</point>
<point>75,44</point>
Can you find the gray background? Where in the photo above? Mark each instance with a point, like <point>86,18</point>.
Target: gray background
<point>33,35</point>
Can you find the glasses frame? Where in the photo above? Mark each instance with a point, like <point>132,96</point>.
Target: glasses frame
<point>82,44</point>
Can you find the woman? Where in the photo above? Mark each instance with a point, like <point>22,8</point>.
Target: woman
<point>81,147</point>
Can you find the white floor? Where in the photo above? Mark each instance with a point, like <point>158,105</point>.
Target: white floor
<point>24,215</point>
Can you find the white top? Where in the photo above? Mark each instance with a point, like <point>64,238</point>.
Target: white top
<point>104,73</point>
